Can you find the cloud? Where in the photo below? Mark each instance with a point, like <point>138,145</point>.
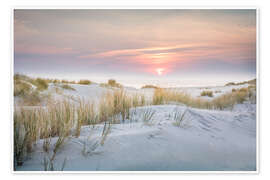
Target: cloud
<point>230,52</point>
<point>43,50</point>
<point>135,41</point>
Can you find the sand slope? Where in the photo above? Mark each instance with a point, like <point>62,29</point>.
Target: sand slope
<point>207,140</point>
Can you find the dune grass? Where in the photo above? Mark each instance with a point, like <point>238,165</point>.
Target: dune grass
<point>21,88</point>
<point>48,164</point>
<point>106,130</point>
<point>90,150</point>
<point>147,116</point>
<point>32,99</point>
<point>113,104</point>
<point>25,133</point>
<point>64,118</point>
<point>122,103</point>
<point>19,140</point>
<point>149,86</point>
<point>67,87</point>
<point>178,117</point>
<point>40,83</point>
<point>61,117</point>
<point>29,89</point>
<point>111,84</point>
<point>64,81</point>
<point>57,119</point>
<point>86,115</point>
<point>84,82</point>
<point>165,96</point>
<point>41,123</point>
<point>138,100</point>
<point>25,91</point>
<point>207,93</point>
<point>252,82</point>
<point>228,100</point>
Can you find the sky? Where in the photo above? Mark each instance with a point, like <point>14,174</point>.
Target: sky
<point>137,47</point>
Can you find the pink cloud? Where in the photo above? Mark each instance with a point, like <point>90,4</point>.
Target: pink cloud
<point>133,51</point>
<point>185,53</point>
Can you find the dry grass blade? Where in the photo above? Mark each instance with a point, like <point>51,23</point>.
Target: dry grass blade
<point>179,117</point>
<point>105,132</point>
<point>48,164</point>
<point>147,116</point>
<point>59,143</point>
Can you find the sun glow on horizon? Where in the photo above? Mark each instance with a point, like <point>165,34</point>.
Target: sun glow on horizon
<point>158,44</point>
<point>160,71</point>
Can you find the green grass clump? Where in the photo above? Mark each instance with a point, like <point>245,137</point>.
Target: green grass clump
<point>41,84</point>
<point>111,83</point>
<point>28,95</point>
<point>21,88</point>
<point>68,87</point>
<point>252,82</point>
<point>21,77</point>
<point>149,86</point>
<point>84,82</point>
<point>64,81</point>
<point>230,84</point>
<point>207,93</point>
<point>56,81</point>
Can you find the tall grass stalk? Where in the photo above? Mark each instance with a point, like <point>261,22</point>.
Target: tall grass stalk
<point>41,123</point>
<point>179,117</point>
<point>147,116</point>
<point>49,164</point>
<point>106,130</point>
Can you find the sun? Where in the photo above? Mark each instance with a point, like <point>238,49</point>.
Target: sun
<point>160,71</point>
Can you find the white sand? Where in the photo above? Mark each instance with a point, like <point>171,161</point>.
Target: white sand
<point>207,140</point>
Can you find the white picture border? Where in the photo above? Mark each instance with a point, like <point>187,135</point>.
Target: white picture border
<point>141,7</point>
